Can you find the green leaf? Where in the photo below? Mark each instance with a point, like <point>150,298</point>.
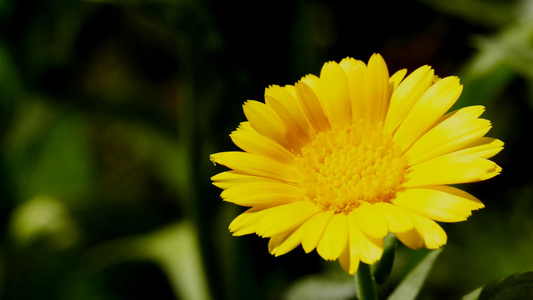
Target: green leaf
<point>412,284</point>
<point>516,286</point>
<point>323,286</point>
<point>488,13</point>
<point>174,248</point>
<point>500,59</point>
<point>473,295</point>
<point>177,250</point>
<point>44,217</point>
<point>485,88</point>
<point>47,153</point>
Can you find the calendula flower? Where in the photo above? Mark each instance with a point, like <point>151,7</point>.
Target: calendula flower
<point>336,162</point>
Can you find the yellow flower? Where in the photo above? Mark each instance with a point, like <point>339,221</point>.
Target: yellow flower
<point>336,162</point>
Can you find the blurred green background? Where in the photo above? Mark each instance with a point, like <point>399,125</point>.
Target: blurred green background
<point>109,111</point>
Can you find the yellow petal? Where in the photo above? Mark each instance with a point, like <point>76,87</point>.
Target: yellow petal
<point>313,230</point>
<point>411,239</point>
<point>335,238</point>
<point>451,169</point>
<point>370,220</point>
<point>265,121</point>
<point>311,106</point>
<point>267,193</point>
<point>247,222</point>
<point>284,243</point>
<point>370,249</point>
<point>377,88</point>
<point>249,140</point>
<point>311,81</point>
<point>397,77</point>
<point>367,248</point>
<point>276,240</point>
<point>434,236</point>
<point>427,110</point>
<point>406,95</point>
<point>397,218</point>
<point>228,179</point>
<point>286,217</point>
<point>440,203</point>
<point>253,164</point>
<point>344,260</point>
<point>286,106</point>
<point>355,72</point>
<point>457,130</point>
<point>334,94</point>
<point>272,221</point>
<point>351,257</point>
<point>482,148</point>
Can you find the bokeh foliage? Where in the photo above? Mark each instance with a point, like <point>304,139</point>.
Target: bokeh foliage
<point>110,109</point>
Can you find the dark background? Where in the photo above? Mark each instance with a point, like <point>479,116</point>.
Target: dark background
<point>109,111</point>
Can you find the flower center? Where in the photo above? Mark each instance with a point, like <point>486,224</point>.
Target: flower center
<point>344,167</point>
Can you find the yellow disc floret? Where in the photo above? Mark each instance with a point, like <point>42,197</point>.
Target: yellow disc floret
<point>343,167</point>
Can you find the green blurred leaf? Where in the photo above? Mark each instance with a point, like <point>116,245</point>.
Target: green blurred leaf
<point>46,217</point>
<point>6,8</point>
<point>499,60</point>
<point>47,153</point>
<point>166,153</point>
<point>323,286</point>
<point>516,286</point>
<point>513,46</point>
<point>473,295</point>
<point>488,13</point>
<point>173,163</point>
<point>486,88</point>
<point>413,282</point>
<point>175,249</point>
<point>10,85</point>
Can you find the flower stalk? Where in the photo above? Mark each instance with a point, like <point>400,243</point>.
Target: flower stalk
<point>366,287</point>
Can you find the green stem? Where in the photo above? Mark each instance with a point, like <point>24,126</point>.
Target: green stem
<point>365,283</point>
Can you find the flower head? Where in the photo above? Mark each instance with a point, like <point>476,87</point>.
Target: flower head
<point>336,162</point>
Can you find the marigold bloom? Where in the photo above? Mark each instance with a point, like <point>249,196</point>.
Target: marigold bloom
<point>336,162</point>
